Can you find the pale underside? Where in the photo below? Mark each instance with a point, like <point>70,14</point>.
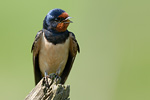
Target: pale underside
<point>53,58</point>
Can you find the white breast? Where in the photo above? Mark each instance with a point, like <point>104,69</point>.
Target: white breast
<point>53,58</point>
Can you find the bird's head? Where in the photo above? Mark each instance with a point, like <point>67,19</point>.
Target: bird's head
<point>56,19</point>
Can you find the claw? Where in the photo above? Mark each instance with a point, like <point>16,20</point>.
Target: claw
<point>57,79</point>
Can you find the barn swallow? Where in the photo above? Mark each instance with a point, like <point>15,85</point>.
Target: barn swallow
<point>54,48</point>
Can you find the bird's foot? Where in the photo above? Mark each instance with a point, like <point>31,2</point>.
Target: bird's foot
<point>46,80</point>
<point>55,78</point>
<point>52,76</point>
<point>46,83</point>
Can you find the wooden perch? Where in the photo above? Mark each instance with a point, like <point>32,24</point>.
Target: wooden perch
<point>49,89</point>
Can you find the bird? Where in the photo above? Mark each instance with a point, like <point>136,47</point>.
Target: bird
<point>54,48</point>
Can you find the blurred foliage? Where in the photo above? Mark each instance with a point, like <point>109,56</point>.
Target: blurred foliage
<point>114,37</point>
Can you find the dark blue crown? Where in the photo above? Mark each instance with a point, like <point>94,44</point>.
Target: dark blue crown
<point>55,12</point>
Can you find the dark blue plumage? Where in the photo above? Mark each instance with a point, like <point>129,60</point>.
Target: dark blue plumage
<point>56,38</point>
<point>55,13</point>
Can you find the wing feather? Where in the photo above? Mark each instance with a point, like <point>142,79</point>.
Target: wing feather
<point>74,47</point>
<point>35,49</point>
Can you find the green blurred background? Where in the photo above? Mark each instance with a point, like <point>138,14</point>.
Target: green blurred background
<point>114,37</point>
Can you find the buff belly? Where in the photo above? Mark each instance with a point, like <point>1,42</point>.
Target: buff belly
<point>53,58</point>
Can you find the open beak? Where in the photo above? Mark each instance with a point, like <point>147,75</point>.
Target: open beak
<point>67,20</point>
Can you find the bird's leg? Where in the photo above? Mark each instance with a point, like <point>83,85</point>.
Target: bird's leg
<point>46,79</point>
<point>57,79</point>
<point>46,75</point>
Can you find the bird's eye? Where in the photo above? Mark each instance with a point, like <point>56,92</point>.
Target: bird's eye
<point>59,19</point>
<point>56,19</point>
